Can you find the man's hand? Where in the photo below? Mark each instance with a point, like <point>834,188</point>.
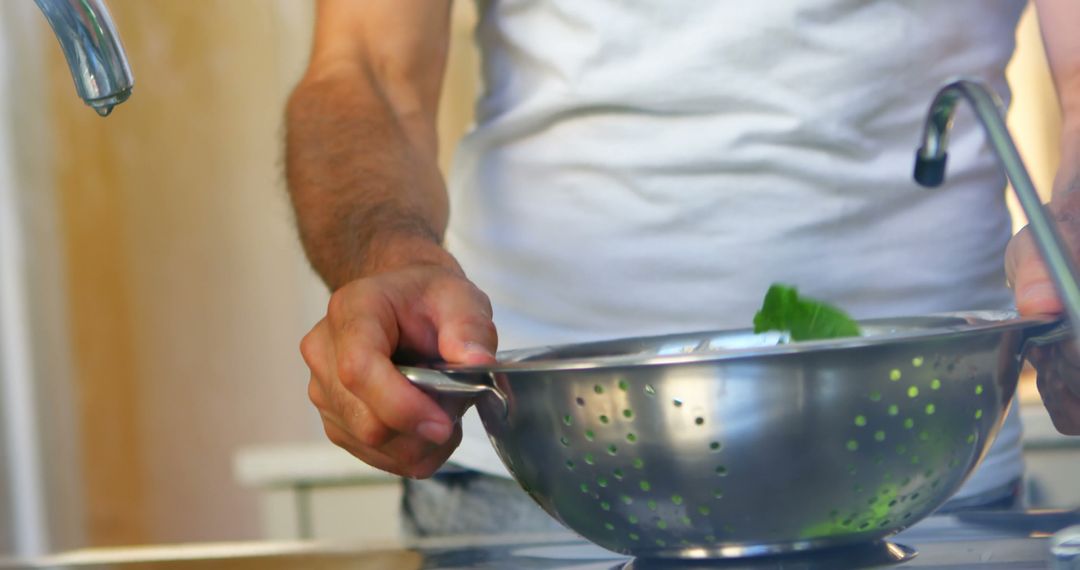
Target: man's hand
<point>367,407</point>
<point>1058,365</point>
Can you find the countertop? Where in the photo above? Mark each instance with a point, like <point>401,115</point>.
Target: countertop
<point>974,540</point>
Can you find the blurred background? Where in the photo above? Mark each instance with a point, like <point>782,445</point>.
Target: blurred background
<point>154,293</point>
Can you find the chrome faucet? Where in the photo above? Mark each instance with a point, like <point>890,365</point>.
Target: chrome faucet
<point>930,162</point>
<point>93,51</point>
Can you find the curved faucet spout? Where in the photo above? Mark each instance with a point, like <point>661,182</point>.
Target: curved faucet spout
<point>93,51</point>
<point>930,162</point>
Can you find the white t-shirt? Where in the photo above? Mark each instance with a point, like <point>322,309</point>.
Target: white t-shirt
<point>642,167</point>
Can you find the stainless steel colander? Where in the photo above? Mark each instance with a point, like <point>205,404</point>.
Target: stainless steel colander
<point>725,444</point>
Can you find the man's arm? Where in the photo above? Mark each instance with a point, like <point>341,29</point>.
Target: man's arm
<point>371,208</point>
<point>1058,365</point>
<point>361,148</point>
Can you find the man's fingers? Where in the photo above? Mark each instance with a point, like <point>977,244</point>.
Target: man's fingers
<point>462,315</point>
<point>1030,280</point>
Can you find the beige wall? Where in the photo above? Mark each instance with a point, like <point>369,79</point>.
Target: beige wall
<point>187,289</point>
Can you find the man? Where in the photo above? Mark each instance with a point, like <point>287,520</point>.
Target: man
<point>640,168</point>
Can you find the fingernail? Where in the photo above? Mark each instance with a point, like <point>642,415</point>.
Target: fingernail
<point>1036,291</point>
<point>477,349</point>
<point>435,432</point>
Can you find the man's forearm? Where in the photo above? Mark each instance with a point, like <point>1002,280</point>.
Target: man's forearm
<point>363,178</point>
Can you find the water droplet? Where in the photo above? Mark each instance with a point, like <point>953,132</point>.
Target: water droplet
<point>649,390</point>
<point>879,436</point>
<point>852,445</point>
<point>604,419</point>
<point>677,499</point>
<point>935,384</point>
<point>628,413</point>
<point>894,374</point>
<point>598,389</point>
<point>894,410</point>
<point>645,486</point>
<point>913,392</point>
<point>917,361</point>
<point>631,437</point>
<point>860,420</point>
<point>930,409</point>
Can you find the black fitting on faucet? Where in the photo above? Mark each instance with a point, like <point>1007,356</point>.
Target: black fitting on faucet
<point>930,172</point>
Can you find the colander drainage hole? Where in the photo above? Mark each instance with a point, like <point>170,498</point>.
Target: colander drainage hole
<point>703,511</point>
<point>913,392</point>
<point>634,536</point>
<point>710,538</point>
<point>660,542</point>
<point>631,437</point>
<point>879,436</point>
<point>564,441</point>
<point>971,438</point>
<point>894,410</point>
<point>567,420</point>
<point>605,505</point>
<point>935,384</point>
<point>623,385</point>
<point>860,420</point>
<point>685,520</point>
<point>628,413</point>
<point>677,499</point>
<point>590,459</point>
<point>649,390</point>
<point>601,481</point>
<point>852,445</point>
<point>639,463</point>
<point>909,423</point>
<point>978,414</point>
<point>598,389</point>
<point>580,401</point>
<point>651,504</point>
<point>699,420</point>
<point>917,361</point>
<point>604,419</point>
<point>584,488</point>
<point>626,499</point>
<point>589,435</point>
<point>715,446</point>
<point>721,470</point>
<point>661,524</point>
<point>875,396</point>
<point>978,389</point>
<point>930,409</point>
<point>894,374</point>
<point>645,486</point>
<point>718,494</point>
<point>570,464</point>
<point>924,436</point>
<point>609,526</point>
<point>618,473</point>
<point>677,402</point>
<point>612,450</point>
<point>632,519</point>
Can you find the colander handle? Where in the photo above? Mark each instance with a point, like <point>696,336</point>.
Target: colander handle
<point>454,391</point>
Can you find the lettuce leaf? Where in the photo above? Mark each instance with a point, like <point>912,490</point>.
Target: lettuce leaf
<point>802,318</point>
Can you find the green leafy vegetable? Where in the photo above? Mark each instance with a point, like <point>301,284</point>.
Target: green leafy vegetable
<point>804,319</point>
